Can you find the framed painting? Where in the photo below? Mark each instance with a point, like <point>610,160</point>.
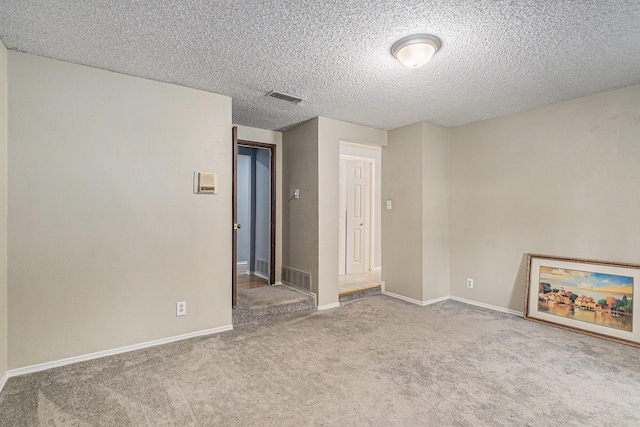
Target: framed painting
<point>592,297</point>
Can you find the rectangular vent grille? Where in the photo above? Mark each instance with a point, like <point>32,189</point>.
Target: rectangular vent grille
<point>291,276</point>
<point>285,97</point>
<point>262,266</point>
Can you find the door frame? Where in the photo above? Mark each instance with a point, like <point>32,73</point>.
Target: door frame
<point>234,216</point>
<point>371,210</point>
<point>272,149</point>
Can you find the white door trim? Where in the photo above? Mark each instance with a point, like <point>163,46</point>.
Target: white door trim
<point>370,240</point>
<point>342,221</point>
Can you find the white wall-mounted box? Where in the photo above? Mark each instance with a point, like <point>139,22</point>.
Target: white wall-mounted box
<point>206,183</point>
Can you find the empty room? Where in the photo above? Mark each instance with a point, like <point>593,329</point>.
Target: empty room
<point>319,213</point>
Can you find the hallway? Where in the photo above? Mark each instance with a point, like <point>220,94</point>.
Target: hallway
<point>349,283</point>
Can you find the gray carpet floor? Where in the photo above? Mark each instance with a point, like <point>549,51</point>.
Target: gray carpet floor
<point>375,361</point>
<point>268,301</point>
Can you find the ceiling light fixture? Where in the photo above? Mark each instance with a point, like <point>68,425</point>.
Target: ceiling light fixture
<point>415,51</point>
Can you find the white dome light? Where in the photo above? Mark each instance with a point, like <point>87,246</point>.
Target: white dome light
<point>415,51</point>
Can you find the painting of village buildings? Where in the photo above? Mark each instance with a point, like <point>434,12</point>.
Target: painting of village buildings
<point>601,299</point>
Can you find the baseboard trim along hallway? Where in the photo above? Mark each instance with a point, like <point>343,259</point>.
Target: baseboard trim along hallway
<point>454,298</point>
<point>489,306</point>
<point>415,301</point>
<point>62,362</point>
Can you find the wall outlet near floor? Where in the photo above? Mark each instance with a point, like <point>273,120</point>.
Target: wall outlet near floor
<point>469,283</point>
<point>181,308</point>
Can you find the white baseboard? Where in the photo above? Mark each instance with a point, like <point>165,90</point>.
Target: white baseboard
<point>402,297</point>
<point>415,301</point>
<point>377,269</point>
<point>261,275</point>
<point>3,380</point>
<point>489,306</point>
<point>241,268</point>
<point>302,291</point>
<point>463,300</point>
<point>99,354</point>
<point>329,306</point>
<point>435,300</point>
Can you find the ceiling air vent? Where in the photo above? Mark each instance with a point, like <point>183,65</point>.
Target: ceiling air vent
<point>285,97</point>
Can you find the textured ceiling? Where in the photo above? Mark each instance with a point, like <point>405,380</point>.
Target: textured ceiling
<point>497,56</point>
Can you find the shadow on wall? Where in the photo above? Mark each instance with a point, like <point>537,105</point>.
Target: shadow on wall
<point>517,294</point>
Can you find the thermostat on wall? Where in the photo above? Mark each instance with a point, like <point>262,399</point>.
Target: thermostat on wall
<point>207,183</point>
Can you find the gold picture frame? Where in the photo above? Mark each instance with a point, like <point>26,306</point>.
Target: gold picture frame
<point>586,296</point>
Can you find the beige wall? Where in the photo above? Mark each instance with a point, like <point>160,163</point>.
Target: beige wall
<point>559,180</point>
<point>310,225</point>
<point>300,217</point>
<point>435,212</point>
<point>3,212</point>
<point>415,244</point>
<point>270,137</point>
<point>402,225</point>
<point>330,133</point>
<point>105,234</point>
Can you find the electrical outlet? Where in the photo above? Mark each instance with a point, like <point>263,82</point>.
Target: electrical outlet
<point>181,308</point>
<point>469,283</point>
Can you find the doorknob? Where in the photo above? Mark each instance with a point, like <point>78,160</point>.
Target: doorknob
<point>237,226</point>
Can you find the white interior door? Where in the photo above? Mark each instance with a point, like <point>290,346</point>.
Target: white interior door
<point>357,222</point>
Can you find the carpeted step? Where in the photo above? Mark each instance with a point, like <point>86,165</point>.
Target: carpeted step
<point>268,301</point>
<point>359,293</point>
